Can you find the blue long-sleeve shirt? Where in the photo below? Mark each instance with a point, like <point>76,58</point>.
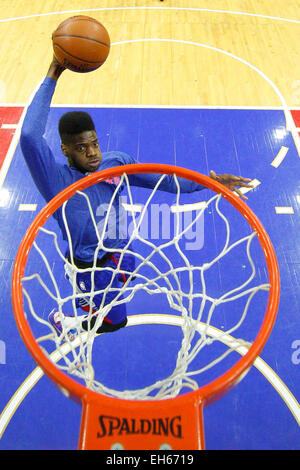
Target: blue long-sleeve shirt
<point>52,177</point>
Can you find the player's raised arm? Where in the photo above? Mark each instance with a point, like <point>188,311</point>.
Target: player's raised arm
<point>37,153</point>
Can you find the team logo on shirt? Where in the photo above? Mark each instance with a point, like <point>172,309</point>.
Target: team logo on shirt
<point>113,180</point>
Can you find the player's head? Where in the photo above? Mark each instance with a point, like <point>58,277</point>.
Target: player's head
<point>79,142</point>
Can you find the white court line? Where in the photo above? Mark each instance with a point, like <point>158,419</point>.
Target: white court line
<point>132,207</point>
<point>280,156</point>
<point>27,207</point>
<point>9,126</point>
<point>163,106</point>
<point>173,320</point>
<point>196,206</point>
<point>284,210</point>
<point>177,208</point>
<point>255,183</point>
<point>167,106</point>
<point>162,8</point>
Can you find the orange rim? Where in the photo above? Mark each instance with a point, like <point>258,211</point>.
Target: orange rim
<point>205,394</point>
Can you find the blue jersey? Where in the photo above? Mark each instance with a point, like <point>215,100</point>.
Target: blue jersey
<point>51,177</point>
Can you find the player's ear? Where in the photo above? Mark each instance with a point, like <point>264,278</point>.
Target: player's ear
<point>64,149</point>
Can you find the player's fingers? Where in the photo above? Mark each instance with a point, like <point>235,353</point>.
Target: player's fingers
<point>244,185</point>
<point>236,190</point>
<point>239,178</point>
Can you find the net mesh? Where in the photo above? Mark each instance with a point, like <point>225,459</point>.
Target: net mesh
<point>181,281</point>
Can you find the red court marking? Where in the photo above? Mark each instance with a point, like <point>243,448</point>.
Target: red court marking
<point>6,136</point>
<point>8,115</point>
<point>296,117</point>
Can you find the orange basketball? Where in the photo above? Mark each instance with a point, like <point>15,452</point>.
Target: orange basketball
<point>81,44</point>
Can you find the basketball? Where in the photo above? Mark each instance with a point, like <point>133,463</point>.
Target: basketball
<point>81,44</point>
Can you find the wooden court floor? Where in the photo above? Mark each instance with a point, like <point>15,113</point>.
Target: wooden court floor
<point>218,55</point>
<point>219,48</point>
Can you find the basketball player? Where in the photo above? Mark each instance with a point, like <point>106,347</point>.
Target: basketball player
<point>80,146</point>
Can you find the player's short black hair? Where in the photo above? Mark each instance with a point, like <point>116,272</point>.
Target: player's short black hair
<point>74,122</point>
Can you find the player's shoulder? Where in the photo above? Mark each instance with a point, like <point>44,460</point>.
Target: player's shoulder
<point>115,158</point>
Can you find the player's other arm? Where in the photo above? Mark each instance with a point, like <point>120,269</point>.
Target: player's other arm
<point>168,184</point>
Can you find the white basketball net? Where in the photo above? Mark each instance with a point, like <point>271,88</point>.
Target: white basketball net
<point>76,356</point>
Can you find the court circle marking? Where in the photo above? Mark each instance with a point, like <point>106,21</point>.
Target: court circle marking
<point>160,319</point>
